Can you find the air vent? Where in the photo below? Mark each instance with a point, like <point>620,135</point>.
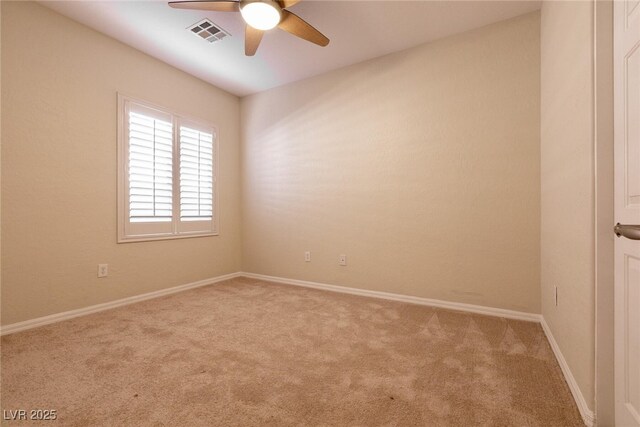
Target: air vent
<point>208,31</point>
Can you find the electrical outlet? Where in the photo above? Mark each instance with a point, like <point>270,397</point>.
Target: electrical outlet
<point>556,289</point>
<point>342,260</point>
<point>103,270</point>
<point>307,256</point>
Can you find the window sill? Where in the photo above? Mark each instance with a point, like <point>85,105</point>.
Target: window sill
<point>164,237</point>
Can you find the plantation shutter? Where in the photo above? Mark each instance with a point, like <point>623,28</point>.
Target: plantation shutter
<point>150,168</point>
<point>167,174</point>
<point>147,185</point>
<point>196,176</point>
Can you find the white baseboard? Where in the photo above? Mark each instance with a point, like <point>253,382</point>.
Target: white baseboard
<point>478,309</point>
<point>587,414</point>
<point>59,317</point>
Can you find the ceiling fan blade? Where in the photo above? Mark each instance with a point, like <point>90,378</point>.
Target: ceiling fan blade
<point>252,38</point>
<point>213,5</point>
<point>297,26</point>
<point>287,3</point>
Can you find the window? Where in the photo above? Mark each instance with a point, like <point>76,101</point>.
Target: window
<point>166,174</point>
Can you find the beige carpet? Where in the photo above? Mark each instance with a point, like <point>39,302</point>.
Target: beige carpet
<point>248,353</point>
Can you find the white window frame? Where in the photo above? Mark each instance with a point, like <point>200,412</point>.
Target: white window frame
<point>175,229</point>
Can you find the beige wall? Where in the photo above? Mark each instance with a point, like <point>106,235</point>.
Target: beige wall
<point>0,161</point>
<point>421,166</point>
<point>604,310</point>
<point>59,168</point>
<point>567,184</point>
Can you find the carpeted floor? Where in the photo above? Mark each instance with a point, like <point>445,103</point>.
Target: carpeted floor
<point>246,353</point>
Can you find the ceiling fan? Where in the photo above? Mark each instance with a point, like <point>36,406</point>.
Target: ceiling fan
<point>260,16</point>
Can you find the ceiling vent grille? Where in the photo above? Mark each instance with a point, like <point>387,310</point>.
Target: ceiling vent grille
<point>206,30</point>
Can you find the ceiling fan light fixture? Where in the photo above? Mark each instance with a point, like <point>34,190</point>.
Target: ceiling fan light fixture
<point>261,15</point>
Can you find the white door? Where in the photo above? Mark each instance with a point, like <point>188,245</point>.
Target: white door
<point>627,211</point>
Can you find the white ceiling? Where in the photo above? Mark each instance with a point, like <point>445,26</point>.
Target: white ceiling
<point>359,30</point>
